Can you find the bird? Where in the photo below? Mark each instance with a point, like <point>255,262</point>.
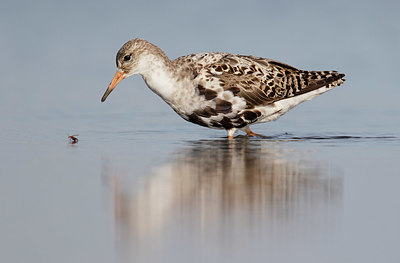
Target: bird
<point>221,90</point>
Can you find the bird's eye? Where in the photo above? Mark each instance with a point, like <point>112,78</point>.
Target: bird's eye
<point>127,57</point>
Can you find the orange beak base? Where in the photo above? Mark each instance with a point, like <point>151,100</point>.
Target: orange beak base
<point>114,82</point>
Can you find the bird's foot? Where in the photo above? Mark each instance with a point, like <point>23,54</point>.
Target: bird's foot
<point>231,133</point>
<point>251,133</point>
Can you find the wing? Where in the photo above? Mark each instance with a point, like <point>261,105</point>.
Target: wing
<point>259,81</point>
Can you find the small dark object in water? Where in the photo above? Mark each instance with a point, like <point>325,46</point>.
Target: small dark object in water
<point>73,139</point>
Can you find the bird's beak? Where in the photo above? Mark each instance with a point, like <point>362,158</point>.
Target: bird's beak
<point>114,82</point>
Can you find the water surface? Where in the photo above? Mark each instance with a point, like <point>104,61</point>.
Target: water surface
<point>142,185</point>
<point>148,193</point>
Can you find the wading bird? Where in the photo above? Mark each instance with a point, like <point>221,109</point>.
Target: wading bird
<point>221,90</point>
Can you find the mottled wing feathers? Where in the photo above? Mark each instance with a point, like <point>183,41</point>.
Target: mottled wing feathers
<point>318,79</point>
<point>259,81</point>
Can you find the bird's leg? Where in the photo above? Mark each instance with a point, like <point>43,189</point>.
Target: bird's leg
<point>250,132</point>
<point>231,133</point>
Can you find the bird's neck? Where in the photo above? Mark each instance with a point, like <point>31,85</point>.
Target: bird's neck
<point>158,73</point>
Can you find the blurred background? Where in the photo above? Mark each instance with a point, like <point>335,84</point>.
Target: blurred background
<point>58,57</point>
<point>142,185</point>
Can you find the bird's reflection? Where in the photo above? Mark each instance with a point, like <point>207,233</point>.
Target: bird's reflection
<point>215,190</point>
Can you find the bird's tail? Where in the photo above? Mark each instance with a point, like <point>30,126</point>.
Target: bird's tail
<point>317,79</point>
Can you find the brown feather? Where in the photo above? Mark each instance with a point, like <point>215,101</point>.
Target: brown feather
<point>262,81</point>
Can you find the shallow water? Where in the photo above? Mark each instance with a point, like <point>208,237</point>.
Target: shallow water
<point>142,185</point>
<point>152,192</point>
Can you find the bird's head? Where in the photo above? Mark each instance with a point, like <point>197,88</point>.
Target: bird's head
<point>131,60</point>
